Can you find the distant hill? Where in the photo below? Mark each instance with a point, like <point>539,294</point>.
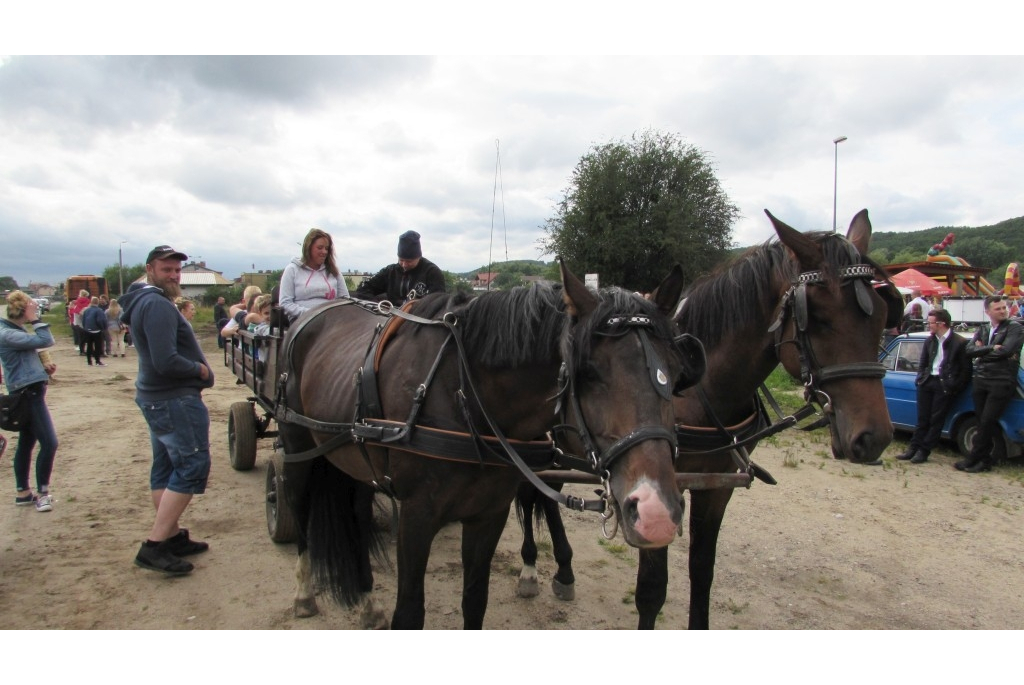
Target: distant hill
<point>990,247</point>
<point>529,267</point>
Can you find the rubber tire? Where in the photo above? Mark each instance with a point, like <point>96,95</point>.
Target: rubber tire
<point>281,523</point>
<point>242,436</point>
<point>965,436</point>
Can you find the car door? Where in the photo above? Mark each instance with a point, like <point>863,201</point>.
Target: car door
<point>901,362</point>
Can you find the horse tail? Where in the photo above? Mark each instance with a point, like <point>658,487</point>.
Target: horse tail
<point>341,536</point>
<point>529,498</point>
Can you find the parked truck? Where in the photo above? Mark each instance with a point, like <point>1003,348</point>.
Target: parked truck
<point>96,285</point>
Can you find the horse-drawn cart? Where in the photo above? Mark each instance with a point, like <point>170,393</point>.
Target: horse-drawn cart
<point>254,362</point>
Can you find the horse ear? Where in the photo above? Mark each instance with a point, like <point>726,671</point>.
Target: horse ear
<point>579,301</point>
<point>806,251</point>
<point>666,295</point>
<point>860,232</point>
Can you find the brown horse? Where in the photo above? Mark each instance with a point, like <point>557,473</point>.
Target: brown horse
<point>455,371</point>
<point>804,302</point>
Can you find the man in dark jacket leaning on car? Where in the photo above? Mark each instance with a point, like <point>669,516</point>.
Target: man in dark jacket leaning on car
<point>942,373</point>
<point>996,351</point>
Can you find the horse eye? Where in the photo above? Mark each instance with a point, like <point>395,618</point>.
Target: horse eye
<point>588,373</point>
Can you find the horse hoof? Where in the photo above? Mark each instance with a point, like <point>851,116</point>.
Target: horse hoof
<point>306,608</point>
<point>566,593</point>
<point>373,619</point>
<point>528,587</point>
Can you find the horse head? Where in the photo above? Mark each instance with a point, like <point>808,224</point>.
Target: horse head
<point>614,339</point>
<point>828,330</point>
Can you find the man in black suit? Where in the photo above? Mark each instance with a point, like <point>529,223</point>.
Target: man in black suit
<point>996,351</point>
<point>942,373</point>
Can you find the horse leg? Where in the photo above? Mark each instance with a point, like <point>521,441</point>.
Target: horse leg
<point>707,509</point>
<point>526,499</point>
<point>651,586</point>
<point>416,531</point>
<point>564,582</point>
<point>372,616</point>
<point>305,596</point>
<point>563,585</point>
<point>480,537</point>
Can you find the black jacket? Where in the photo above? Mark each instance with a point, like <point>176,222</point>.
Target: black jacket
<point>394,285</point>
<point>955,369</point>
<point>993,364</point>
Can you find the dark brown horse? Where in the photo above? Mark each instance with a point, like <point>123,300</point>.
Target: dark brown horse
<point>804,302</point>
<point>467,368</point>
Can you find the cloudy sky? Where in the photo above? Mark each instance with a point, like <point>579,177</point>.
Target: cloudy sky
<point>233,159</point>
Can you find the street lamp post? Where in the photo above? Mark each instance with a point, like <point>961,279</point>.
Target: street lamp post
<point>835,180</point>
<point>120,270</point>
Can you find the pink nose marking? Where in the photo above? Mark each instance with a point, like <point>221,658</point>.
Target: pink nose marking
<point>654,521</point>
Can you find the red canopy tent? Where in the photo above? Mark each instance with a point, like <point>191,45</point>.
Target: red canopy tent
<point>915,280</point>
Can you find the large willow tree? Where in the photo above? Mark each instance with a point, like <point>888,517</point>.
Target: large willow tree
<point>635,208</point>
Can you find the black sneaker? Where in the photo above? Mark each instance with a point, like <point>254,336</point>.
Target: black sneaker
<point>158,558</point>
<point>181,546</point>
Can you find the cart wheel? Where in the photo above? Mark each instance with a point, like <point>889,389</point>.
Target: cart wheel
<point>242,436</point>
<point>281,522</point>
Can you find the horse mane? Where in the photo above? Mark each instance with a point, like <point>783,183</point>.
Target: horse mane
<point>527,325</point>
<point>505,328</point>
<point>728,297</point>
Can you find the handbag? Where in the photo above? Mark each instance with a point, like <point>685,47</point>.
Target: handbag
<point>14,412</point>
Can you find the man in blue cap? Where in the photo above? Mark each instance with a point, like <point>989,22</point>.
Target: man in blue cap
<point>173,372</point>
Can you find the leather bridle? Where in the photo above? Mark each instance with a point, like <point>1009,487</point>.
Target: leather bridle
<point>595,460</point>
<point>814,375</point>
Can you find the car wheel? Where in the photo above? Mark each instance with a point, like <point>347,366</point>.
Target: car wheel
<point>965,433</point>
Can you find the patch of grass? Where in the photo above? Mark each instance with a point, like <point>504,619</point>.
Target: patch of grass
<point>629,597</point>
<point>790,460</point>
<point>615,549</point>
<point>735,608</point>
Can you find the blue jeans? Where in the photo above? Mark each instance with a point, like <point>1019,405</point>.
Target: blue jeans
<point>179,431</point>
<point>39,430</point>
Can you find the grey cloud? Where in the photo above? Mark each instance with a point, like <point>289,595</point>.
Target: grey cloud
<point>236,181</point>
<point>75,95</point>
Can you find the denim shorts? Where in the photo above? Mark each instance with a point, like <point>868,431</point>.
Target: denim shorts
<point>179,430</point>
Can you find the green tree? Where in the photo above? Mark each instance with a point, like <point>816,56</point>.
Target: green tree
<point>635,208</point>
<point>8,283</point>
<point>507,280</point>
<point>113,275</point>
<point>984,252</point>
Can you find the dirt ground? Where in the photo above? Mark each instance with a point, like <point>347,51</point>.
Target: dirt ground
<point>833,546</point>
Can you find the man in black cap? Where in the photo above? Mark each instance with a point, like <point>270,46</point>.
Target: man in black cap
<point>412,277</point>
<point>172,375</point>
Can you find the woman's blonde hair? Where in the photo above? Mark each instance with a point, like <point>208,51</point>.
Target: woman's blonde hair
<point>249,292</point>
<point>262,301</point>
<point>314,235</point>
<point>17,301</point>
<point>114,309</point>
<point>181,303</point>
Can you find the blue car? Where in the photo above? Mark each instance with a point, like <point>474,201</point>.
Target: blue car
<point>900,358</point>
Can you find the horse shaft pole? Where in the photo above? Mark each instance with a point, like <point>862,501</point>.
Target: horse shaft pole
<point>685,481</point>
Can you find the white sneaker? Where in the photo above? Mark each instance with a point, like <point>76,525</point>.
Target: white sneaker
<point>44,503</point>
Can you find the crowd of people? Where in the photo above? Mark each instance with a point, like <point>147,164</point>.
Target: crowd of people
<point>155,319</point>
